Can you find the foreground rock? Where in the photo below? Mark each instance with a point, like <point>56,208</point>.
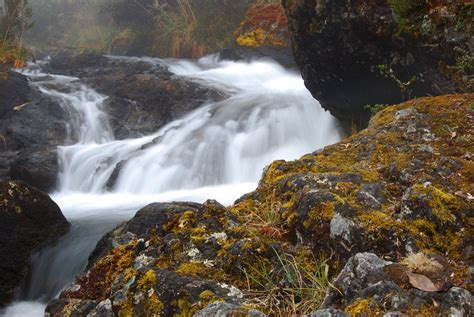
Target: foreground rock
<point>162,262</point>
<point>394,49</point>
<point>29,220</point>
<point>399,189</point>
<point>143,95</point>
<point>368,283</point>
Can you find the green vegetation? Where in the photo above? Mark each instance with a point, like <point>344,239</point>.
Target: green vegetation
<point>14,21</point>
<point>405,8</point>
<point>194,27</point>
<point>374,109</point>
<point>293,286</point>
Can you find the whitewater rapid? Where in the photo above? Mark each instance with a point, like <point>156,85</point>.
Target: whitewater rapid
<point>215,152</point>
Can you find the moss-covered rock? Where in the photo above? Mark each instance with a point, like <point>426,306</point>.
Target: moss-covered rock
<point>369,286</point>
<point>399,187</point>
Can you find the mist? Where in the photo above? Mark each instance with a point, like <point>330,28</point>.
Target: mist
<point>161,28</point>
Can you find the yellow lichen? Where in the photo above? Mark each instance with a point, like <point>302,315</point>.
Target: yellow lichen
<point>442,204</point>
<point>147,281</point>
<point>359,307</point>
<point>323,212</point>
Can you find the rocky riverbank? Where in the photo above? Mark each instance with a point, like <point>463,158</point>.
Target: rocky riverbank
<point>386,212</point>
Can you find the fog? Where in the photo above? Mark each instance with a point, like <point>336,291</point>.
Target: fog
<point>162,28</point>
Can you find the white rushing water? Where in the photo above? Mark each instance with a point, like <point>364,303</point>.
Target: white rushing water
<point>217,151</point>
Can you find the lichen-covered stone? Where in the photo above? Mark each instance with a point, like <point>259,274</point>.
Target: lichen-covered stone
<point>364,287</point>
<point>222,309</point>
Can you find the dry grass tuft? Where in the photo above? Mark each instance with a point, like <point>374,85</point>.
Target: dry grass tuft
<point>420,262</point>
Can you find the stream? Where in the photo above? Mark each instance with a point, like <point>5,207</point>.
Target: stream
<point>215,152</point>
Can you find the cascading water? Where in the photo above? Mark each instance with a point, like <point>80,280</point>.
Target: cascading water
<point>217,151</point>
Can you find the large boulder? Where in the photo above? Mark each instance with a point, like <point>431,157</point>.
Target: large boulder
<point>355,54</point>
<point>143,95</point>
<point>29,220</point>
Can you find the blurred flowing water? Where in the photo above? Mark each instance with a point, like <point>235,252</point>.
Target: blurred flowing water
<point>215,152</point>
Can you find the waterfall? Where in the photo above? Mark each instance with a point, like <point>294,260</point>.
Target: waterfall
<point>268,115</point>
<point>217,151</point>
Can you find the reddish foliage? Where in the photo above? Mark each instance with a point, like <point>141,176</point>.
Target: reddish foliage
<point>267,15</point>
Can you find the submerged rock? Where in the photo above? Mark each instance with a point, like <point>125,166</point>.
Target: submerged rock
<point>361,53</point>
<point>29,220</point>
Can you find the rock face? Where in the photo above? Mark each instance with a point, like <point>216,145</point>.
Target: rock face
<point>29,220</point>
<point>358,53</point>
<point>31,126</point>
<point>143,96</point>
<point>399,189</point>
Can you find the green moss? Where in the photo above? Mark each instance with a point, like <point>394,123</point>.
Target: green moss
<point>198,235</point>
<point>208,296</point>
<point>322,213</point>
<point>154,306</point>
<point>197,269</point>
<point>443,205</point>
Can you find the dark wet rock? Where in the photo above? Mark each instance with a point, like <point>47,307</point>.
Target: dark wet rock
<point>13,92</point>
<point>143,95</point>
<point>354,54</point>
<point>38,122</point>
<point>37,167</point>
<point>6,157</point>
<point>31,125</point>
<point>29,221</point>
<point>74,65</point>
<point>242,53</point>
<point>222,309</point>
